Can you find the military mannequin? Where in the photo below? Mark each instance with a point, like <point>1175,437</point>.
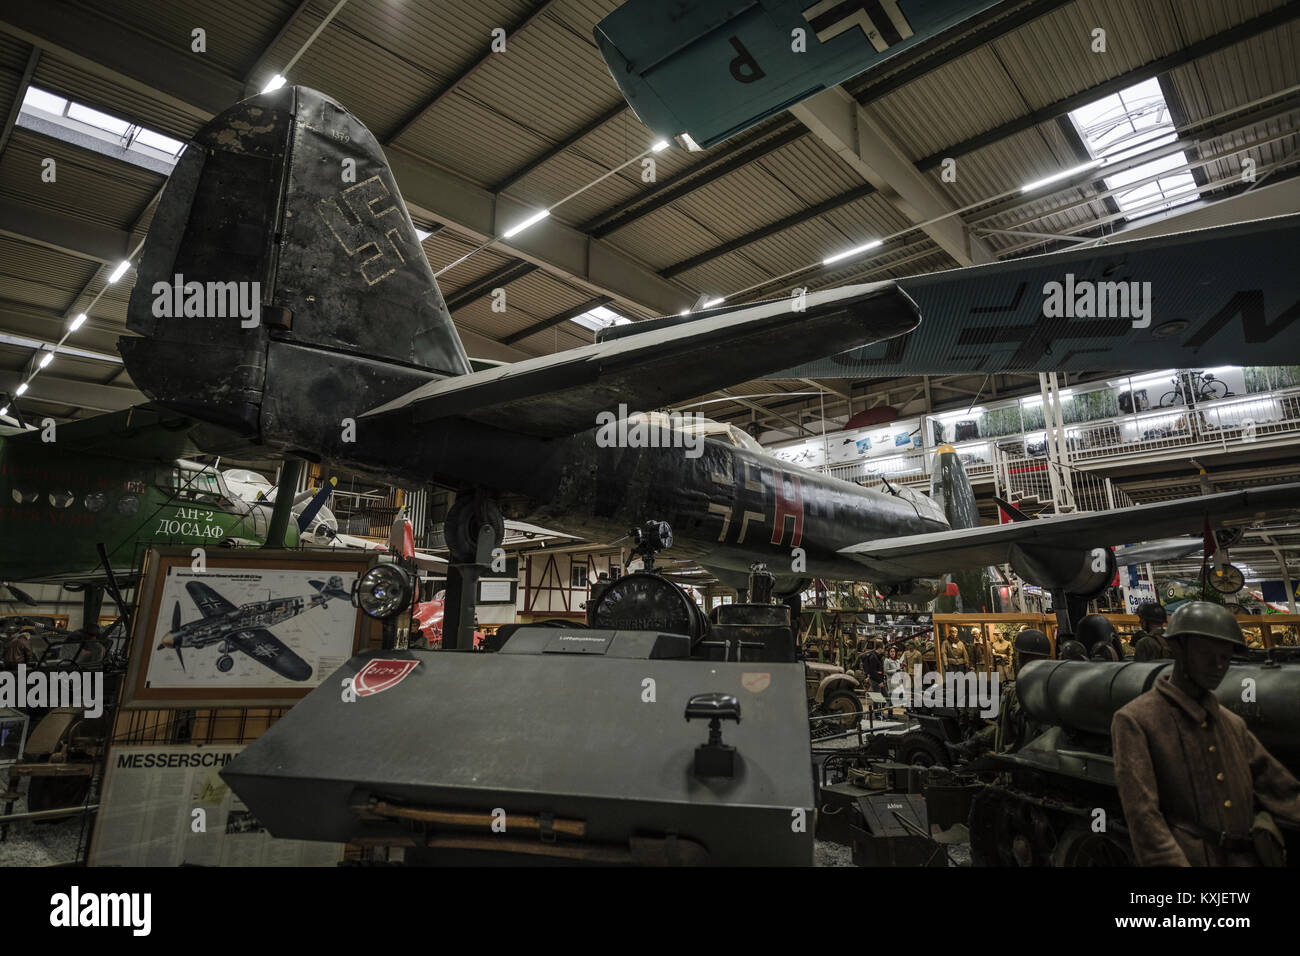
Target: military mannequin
<point>912,657</point>
<point>1011,727</point>
<point>1002,654</point>
<point>981,656</point>
<point>1149,642</point>
<point>1189,772</point>
<point>955,657</point>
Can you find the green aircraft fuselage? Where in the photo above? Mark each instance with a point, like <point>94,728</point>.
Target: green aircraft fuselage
<point>56,506</point>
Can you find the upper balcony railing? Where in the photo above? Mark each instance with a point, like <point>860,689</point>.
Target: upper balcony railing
<point>1189,411</point>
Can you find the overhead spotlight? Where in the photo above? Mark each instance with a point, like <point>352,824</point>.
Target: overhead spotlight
<point>20,390</point>
<point>119,271</point>
<point>77,322</point>
<point>660,146</point>
<point>1066,174</point>
<point>274,83</point>
<point>46,359</point>
<point>531,220</point>
<point>851,252</point>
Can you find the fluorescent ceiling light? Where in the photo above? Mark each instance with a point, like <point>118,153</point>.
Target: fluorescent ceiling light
<point>660,146</point>
<point>1136,380</point>
<point>422,234</point>
<point>530,221</point>
<point>119,271</point>
<point>600,318</point>
<point>1064,174</point>
<point>46,359</point>
<point>5,410</point>
<point>710,303</point>
<point>21,389</point>
<point>77,322</point>
<point>274,83</point>
<point>691,145</point>
<point>684,312</point>
<point>851,252</point>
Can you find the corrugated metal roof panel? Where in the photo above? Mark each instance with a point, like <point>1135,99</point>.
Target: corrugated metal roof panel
<point>38,276</point>
<point>117,99</point>
<point>236,30</point>
<point>13,54</point>
<point>88,186</point>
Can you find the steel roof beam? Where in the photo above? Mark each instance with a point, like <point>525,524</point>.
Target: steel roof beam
<point>66,391</point>
<point>423,109</point>
<point>108,49</point>
<point>16,107</point>
<point>554,320</point>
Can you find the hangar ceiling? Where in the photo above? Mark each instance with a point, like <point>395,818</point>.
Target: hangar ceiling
<point>478,139</point>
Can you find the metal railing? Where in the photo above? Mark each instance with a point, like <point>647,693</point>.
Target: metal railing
<point>1237,421</point>
<point>1035,481</point>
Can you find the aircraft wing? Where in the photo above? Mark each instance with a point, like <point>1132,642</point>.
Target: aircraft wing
<point>561,394</point>
<point>208,601</point>
<point>936,554</point>
<point>1220,296</point>
<point>269,651</point>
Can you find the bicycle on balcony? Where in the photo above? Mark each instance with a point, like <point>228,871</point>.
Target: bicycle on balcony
<point>1204,384</point>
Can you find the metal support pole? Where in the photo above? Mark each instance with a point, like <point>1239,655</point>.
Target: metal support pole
<point>462,594</point>
<point>287,489</point>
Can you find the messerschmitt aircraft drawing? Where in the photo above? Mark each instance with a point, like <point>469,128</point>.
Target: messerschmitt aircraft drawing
<point>246,628</point>
<point>355,352</point>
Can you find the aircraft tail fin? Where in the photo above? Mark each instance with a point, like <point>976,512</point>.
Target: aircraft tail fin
<point>282,285</point>
<point>950,486</point>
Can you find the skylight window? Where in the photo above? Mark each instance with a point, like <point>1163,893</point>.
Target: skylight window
<point>52,115</point>
<point>600,318</point>
<point>1125,124</point>
<point>97,119</point>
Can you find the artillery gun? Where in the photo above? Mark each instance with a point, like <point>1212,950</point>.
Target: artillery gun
<point>1040,809</point>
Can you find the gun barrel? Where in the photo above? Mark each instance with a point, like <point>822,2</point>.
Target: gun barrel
<point>1084,695</point>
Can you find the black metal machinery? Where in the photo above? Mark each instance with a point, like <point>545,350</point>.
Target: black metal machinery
<point>1039,808</point>
<point>566,745</point>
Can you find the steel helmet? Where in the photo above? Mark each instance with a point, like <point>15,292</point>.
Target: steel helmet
<point>1032,641</point>
<point>1152,611</point>
<point>1205,619</point>
<point>1073,651</point>
<point>1093,630</point>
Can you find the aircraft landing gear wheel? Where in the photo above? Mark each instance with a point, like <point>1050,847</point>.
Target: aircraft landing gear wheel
<point>920,749</point>
<point>843,702</point>
<point>468,513</point>
<point>225,662</point>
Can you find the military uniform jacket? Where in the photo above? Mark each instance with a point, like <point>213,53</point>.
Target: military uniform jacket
<point>1184,766</point>
<point>911,658</point>
<point>955,656</point>
<point>1148,647</point>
